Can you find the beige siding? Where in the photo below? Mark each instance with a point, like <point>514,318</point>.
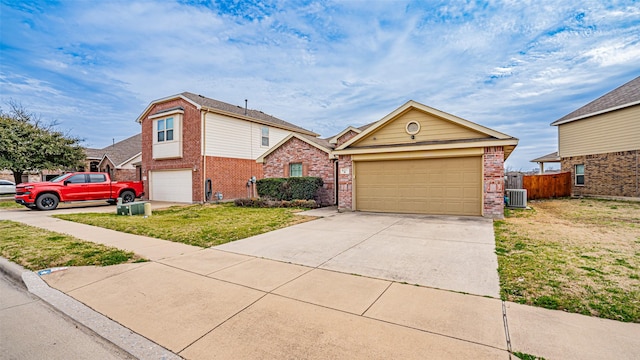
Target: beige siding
<point>431,128</point>
<point>234,138</point>
<point>168,149</point>
<point>605,133</point>
<point>451,186</point>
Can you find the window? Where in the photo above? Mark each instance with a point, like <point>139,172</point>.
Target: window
<point>265,136</point>
<point>165,130</point>
<point>97,178</point>
<point>77,179</point>
<point>295,170</point>
<point>579,174</point>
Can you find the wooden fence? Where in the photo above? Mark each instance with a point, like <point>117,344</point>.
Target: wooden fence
<point>547,186</point>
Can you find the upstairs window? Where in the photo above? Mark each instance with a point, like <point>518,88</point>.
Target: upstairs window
<point>579,171</point>
<point>295,170</point>
<point>265,136</point>
<point>165,130</point>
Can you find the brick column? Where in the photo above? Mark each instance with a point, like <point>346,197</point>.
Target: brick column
<point>493,159</point>
<point>345,182</point>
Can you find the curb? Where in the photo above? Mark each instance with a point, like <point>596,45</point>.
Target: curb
<point>122,337</point>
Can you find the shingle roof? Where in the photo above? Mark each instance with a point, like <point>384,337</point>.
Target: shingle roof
<point>552,157</point>
<point>256,114</point>
<point>119,152</point>
<point>622,96</point>
<point>321,142</point>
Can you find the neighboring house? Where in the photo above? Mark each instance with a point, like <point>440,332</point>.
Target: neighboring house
<point>599,144</point>
<point>304,155</point>
<point>415,160</point>
<point>194,147</point>
<point>121,160</point>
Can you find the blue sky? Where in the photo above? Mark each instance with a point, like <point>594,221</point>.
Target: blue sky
<point>514,66</point>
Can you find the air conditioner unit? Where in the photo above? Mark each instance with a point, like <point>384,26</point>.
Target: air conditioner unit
<point>517,198</point>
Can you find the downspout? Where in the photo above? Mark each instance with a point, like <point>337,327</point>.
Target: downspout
<point>203,149</point>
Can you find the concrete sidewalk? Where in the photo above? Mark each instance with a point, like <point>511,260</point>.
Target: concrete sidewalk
<point>208,303</point>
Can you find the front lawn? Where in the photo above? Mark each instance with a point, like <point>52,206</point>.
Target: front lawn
<point>201,225</point>
<point>577,255</point>
<point>36,249</point>
<point>7,202</point>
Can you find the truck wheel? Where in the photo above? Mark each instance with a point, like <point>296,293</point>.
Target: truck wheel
<point>127,196</point>
<point>47,202</point>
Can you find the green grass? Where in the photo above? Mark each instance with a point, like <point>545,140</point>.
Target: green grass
<point>9,203</point>
<point>524,356</point>
<point>581,256</point>
<point>199,225</point>
<point>36,249</point>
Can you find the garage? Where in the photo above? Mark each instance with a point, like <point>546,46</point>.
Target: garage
<point>447,186</point>
<point>171,185</point>
<point>421,160</point>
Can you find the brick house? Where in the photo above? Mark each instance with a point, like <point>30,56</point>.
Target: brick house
<point>415,160</point>
<point>194,147</point>
<point>599,144</point>
<point>304,155</point>
<point>121,160</point>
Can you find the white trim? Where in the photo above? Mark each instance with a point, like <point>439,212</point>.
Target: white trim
<point>556,123</point>
<point>413,147</point>
<point>172,97</point>
<point>166,114</point>
<point>129,159</point>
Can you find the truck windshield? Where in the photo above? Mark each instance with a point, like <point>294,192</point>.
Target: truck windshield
<point>59,178</point>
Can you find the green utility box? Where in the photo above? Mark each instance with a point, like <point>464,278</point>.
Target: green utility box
<point>132,208</point>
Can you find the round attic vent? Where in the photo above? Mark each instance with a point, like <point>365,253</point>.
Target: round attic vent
<point>413,127</point>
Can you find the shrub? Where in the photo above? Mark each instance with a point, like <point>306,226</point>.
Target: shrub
<point>252,202</point>
<point>262,203</point>
<point>296,188</point>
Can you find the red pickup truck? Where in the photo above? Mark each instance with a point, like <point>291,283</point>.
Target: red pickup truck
<point>77,186</point>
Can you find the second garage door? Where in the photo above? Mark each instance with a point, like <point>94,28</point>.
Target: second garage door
<point>174,186</point>
<point>449,186</point>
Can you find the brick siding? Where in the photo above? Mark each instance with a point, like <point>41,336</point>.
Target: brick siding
<point>609,174</point>
<point>315,162</point>
<point>345,182</point>
<point>230,176</point>
<point>493,178</point>
<point>191,152</point>
<point>345,137</point>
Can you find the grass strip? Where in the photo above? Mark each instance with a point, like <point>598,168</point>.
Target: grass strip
<point>36,249</point>
<point>200,225</point>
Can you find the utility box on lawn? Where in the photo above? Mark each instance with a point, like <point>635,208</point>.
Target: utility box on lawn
<point>133,208</point>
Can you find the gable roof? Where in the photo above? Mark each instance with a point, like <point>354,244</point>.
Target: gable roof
<point>621,97</point>
<point>208,104</point>
<point>118,153</point>
<point>493,135</point>
<point>334,139</point>
<point>322,144</point>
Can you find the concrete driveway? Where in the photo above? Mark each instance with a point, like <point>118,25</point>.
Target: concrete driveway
<point>445,252</point>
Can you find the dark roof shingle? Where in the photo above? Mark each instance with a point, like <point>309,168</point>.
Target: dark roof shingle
<point>119,152</point>
<point>256,114</point>
<point>626,94</point>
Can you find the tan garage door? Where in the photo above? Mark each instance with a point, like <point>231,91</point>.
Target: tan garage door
<point>171,185</point>
<point>450,186</point>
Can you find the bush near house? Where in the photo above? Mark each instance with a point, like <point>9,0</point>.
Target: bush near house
<point>295,188</point>
<point>264,203</point>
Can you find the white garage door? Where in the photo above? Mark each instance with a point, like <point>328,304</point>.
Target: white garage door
<point>174,185</point>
